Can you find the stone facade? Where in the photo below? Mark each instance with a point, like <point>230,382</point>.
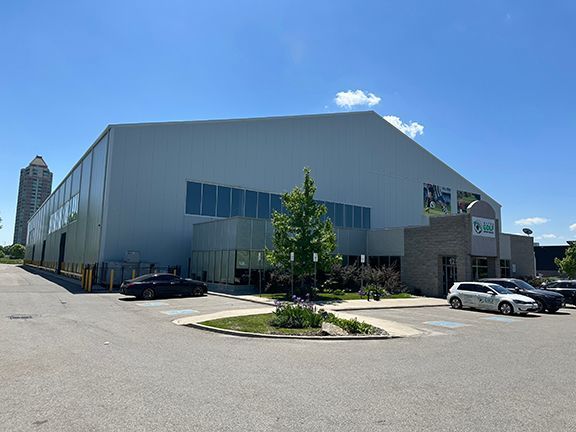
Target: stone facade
<point>523,261</point>
<point>424,248</point>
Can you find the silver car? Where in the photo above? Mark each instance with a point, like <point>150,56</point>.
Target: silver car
<point>489,296</point>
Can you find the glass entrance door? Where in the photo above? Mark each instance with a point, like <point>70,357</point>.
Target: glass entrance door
<point>449,273</point>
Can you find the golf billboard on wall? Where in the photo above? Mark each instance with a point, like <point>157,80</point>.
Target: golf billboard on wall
<point>465,199</point>
<point>437,200</point>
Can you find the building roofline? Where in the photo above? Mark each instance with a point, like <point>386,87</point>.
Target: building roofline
<point>247,119</point>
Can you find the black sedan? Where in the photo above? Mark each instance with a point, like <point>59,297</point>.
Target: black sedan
<point>546,300</point>
<point>155,285</point>
<point>565,287</point>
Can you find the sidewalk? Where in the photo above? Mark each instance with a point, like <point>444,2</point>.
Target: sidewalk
<point>351,305</point>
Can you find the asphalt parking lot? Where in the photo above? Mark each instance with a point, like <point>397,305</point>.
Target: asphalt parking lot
<point>176,307</point>
<point>468,323</point>
<point>94,362</point>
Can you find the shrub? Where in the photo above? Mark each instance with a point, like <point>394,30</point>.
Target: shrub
<point>280,281</point>
<point>349,278</point>
<point>352,326</point>
<point>300,314</point>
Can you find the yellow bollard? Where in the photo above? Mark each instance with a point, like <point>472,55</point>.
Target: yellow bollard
<point>174,272</point>
<point>133,273</point>
<point>111,280</point>
<point>90,280</point>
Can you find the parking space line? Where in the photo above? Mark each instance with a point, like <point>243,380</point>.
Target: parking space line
<point>153,304</point>
<point>447,324</point>
<point>500,319</point>
<point>179,312</point>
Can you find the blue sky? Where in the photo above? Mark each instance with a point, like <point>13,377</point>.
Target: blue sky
<point>492,83</point>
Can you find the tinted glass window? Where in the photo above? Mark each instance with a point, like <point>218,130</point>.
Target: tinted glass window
<point>165,278</point>
<point>193,197</point>
<point>357,217</point>
<point>223,202</point>
<point>237,202</point>
<point>251,199</point>
<point>275,203</point>
<point>467,287</point>
<point>348,211</point>
<point>366,218</point>
<point>330,207</point>
<point>208,200</point>
<point>263,205</point>
<point>339,215</point>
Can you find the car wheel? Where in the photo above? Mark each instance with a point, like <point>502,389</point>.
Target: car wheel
<point>456,303</point>
<point>540,306</point>
<point>553,310</point>
<point>148,294</point>
<point>197,291</point>
<point>506,308</point>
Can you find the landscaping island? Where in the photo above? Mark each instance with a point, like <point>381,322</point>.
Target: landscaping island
<point>298,318</point>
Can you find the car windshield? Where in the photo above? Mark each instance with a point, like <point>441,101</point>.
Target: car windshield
<point>524,285</point>
<point>499,289</point>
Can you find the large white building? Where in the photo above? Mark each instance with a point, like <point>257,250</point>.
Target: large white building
<point>143,193</point>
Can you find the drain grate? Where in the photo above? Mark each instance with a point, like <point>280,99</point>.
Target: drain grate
<point>20,316</point>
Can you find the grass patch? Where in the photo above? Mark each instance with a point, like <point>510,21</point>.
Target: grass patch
<point>257,324</point>
<point>11,261</point>
<point>335,297</point>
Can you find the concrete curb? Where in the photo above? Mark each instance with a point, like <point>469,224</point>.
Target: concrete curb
<point>251,300</point>
<point>275,336</point>
<point>358,309</point>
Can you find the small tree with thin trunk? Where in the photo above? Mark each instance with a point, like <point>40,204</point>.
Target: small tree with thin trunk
<point>301,229</point>
<point>567,264</point>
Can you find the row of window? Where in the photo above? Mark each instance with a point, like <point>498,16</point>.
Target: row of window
<point>223,201</point>
<point>64,215</point>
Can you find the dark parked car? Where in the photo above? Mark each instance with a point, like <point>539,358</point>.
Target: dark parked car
<point>155,285</point>
<point>565,287</point>
<point>546,300</point>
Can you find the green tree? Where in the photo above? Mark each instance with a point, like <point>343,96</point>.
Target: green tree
<point>16,251</point>
<point>301,229</point>
<point>567,264</point>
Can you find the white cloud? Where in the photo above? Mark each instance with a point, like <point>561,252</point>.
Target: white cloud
<point>411,128</point>
<point>573,227</point>
<point>549,236</point>
<point>350,98</point>
<point>532,221</point>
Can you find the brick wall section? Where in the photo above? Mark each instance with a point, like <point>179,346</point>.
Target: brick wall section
<point>522,251</point>
<point>425,246</point>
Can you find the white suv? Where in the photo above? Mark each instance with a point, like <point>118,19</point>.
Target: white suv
<point>489,296</point>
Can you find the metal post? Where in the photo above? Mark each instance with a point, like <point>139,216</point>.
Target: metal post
<point>174,271</point>
<point>315,259</point>
<point>111,280</point>
<point>133,273</point>
<point>314,274</point>
<point>90,279</point>
<point>292,274</point>
<point>260,273</point>
<point>362,261</point>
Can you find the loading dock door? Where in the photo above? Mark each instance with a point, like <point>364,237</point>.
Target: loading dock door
<point>62,252</point>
